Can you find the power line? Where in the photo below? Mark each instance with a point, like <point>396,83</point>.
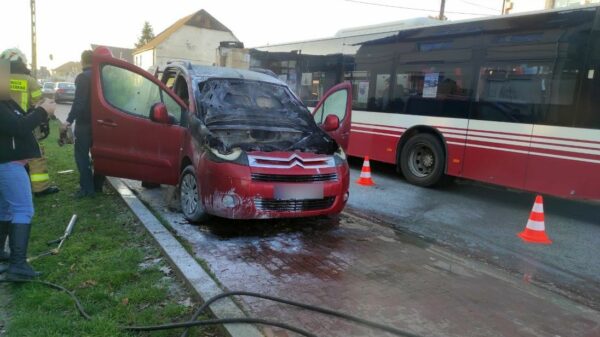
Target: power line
<point>412,8</point>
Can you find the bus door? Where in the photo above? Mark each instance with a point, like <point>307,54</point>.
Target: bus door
<point>500,125</point>
<point>565,149</point>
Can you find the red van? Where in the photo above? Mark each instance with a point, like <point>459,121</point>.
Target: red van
<point>239,144</point>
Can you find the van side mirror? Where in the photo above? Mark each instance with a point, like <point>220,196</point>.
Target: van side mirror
<point>159,114</point>
<point>332,123</point>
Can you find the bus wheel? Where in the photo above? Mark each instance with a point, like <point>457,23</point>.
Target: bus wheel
<point>422,160</point>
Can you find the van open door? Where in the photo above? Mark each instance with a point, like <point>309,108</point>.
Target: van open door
<point>136,122</point>
<point>334,113</point>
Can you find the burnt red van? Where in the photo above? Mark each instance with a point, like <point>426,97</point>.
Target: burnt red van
<point>239,144</point>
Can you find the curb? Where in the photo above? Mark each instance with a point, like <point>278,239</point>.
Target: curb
<point>193,274</point>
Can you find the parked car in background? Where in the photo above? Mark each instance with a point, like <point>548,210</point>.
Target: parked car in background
<point>239,144</point>
<point>48,89</point>
<point>65,91</point>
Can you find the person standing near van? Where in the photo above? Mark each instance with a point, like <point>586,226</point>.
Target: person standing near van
<point>81,115</point>
<point>26,92</point>
<point>17,146</point>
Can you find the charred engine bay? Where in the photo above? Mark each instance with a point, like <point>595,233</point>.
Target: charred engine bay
<point>256,116</point>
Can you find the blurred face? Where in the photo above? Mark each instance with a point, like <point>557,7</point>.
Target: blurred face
<point>4,80</point>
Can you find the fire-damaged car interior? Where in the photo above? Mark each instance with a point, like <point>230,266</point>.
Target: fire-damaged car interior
<point>257,116</point>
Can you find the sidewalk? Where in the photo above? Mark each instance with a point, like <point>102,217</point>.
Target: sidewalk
<point>371,271</point>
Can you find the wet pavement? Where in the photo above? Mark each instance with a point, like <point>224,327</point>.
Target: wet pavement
<point>372,271</point>
<point>481,221</point>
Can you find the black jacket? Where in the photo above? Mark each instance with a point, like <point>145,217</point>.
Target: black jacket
<point>16,137</point>
<point>81,108</point>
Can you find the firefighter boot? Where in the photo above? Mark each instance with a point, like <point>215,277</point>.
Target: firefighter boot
<point>18,239</point>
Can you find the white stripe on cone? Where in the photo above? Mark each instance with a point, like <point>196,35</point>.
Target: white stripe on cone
<point>538,208</point>
<point>365,174</point>
<point>536,225</point>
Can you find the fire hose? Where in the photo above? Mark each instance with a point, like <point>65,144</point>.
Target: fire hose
<point>239,320</point>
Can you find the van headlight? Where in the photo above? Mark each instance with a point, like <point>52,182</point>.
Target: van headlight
<point>232,156</point>
<point>236,155</point>
<point>340,157</point>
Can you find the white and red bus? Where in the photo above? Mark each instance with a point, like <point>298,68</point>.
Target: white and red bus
<point>511,100</point>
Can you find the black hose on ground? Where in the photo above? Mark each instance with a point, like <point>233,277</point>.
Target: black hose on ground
<point>309,307</point>
<point>245,320</point>
<point>189,324</point>
<point>78,304</point>
<point>241,320</point>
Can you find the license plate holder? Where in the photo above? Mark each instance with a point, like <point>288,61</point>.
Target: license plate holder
<point>299,191</point>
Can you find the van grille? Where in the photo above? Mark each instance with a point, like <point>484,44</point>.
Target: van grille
<point>294,178</point>
<point>293,205</point>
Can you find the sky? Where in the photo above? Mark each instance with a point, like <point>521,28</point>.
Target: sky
<point>67,27</point>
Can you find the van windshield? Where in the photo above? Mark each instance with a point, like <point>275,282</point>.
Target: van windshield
<point>259,116</point>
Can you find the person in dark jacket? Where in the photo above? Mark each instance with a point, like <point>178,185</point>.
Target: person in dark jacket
<point>89,183</point>
<point>17,145</point>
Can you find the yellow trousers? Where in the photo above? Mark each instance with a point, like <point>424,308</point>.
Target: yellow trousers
<point>38,173</point>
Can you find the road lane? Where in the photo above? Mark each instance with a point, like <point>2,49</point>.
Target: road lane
<point>482,221</point>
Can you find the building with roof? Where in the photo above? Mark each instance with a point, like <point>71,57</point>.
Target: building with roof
<point>66,72</point>
<point>195,37</point>
<point>125,54</point>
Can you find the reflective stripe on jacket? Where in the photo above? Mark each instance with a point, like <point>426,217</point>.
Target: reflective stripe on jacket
<point>25,90</point>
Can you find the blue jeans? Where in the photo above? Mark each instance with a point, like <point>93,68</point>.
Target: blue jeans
<point>16,201</point>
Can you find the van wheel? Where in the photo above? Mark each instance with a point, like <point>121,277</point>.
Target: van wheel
<point>422,160</point>
<point>189,195</point>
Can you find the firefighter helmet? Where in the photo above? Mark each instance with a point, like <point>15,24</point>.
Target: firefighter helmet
<point>13,55</point>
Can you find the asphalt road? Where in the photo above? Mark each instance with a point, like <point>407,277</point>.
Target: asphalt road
<point>481,222</point>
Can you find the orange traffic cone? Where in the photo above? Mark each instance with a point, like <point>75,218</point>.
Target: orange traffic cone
<point>365,174</point>
<point>535,231</point>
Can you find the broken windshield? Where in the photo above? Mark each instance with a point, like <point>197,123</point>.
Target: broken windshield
<point>258,116</point>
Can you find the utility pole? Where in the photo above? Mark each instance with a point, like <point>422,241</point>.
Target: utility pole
<point>33,41</point>
<point>442,8</point>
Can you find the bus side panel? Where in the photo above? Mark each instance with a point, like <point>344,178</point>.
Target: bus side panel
<point>497,152</point>
<point>375,135</point>
<point>565,162</point>
<point>456,152</point>
<point>378,147</point>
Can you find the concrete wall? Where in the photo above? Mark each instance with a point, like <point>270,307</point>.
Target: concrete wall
<point>145,59</point>
<point>198,45</point>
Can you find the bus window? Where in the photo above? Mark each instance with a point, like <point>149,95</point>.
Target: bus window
<point>371,74</point>
<point>442,91</point>
<point>512,92</point>
<point>541,93</point>
<point>588,114</point>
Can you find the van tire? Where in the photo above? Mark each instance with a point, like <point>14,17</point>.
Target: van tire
<point>189,195</point>
<point>422,160</point>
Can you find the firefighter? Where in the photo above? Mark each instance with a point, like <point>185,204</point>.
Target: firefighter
<point>25,90</point>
